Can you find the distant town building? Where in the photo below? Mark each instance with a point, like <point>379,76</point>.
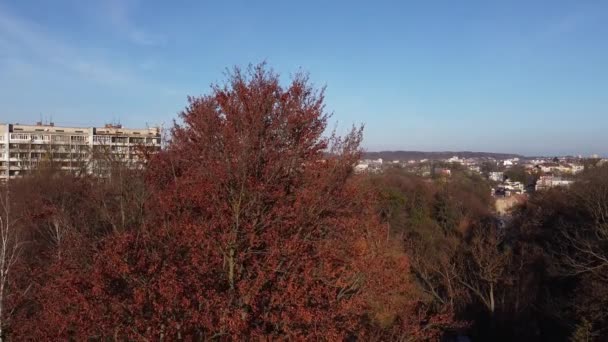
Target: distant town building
<point>359,168</point>
<point>576,168</point>
<point>455,159</point>
<point>550,181</point>
<point>369,165</point>
<point>508,188</point>
<point>24,147</point>
<point>572,168</point>
<point>514,187</point>
<point>496,176</point>
<point>475,168</point>
<point>442,172</point>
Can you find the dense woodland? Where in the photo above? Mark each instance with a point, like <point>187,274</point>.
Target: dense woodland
<point>250,225</point>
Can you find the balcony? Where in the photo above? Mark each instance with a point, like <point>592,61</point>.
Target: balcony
<point>20,137</point>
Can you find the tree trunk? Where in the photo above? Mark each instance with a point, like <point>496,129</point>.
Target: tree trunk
<point>492,304</point>
<point>231,268</point>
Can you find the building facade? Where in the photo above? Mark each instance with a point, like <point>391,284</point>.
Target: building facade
<point>24,147</point>
<point>547,182</point>
<point>496,176</point>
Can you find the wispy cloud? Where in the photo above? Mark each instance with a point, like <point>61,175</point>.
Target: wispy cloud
<point>28,41</point>
<point>119,13</point>
<point>568,23</point>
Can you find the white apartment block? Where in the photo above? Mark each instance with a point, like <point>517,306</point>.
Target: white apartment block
<point>24,147</point>
<point>496,176</point>
<point>546,182</point>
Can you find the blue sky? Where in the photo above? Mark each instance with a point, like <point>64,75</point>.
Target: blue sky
<point>505,76</point>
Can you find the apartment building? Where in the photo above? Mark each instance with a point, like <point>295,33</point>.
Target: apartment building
<point>76,149</point>
<point>547,182</point>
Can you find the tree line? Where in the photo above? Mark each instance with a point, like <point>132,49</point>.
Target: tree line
<point>251,224</point>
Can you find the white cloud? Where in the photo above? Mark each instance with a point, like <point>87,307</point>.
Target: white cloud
<point>29,42</point>
<point>119,12</point>
<point>568,23</point>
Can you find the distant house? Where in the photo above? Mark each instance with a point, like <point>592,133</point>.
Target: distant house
<point>455,159</point>
<point>508,188</point>
<point>510,162</point>
<point>475,168</point>
<point>576,168</point>
<point>442,172</point>
<point>359,168</point>
<point>470,161</point>
<point>547,182</point>
<point>496,176</point>
<point>548,167</point>
<point>514,187</point>
<point>571,168</point>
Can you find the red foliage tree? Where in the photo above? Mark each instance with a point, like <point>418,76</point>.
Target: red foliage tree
<point>258,231</point>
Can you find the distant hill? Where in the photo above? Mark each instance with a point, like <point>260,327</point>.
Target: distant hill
<point>417,155</point>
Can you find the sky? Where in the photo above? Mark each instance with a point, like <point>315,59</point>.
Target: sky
<point>527,77</point>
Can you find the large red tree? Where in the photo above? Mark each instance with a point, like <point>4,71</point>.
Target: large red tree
<point>258,231</point>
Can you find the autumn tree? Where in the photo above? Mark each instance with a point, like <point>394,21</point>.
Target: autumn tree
<point>431,220</point>
<point>559,245</point>
<point>10,248</point>
<point>256,229</point>
<point>485,265</point>
<point>63,218</point>
<point>579,248</point>
<point>464,261</point>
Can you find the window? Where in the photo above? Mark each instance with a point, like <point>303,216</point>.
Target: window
<point>17,136</point>
<point>60,138</point>
<point>120,140</point>
<point>78,138</point>
<point>101,139</point>
<point>41,138</point>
